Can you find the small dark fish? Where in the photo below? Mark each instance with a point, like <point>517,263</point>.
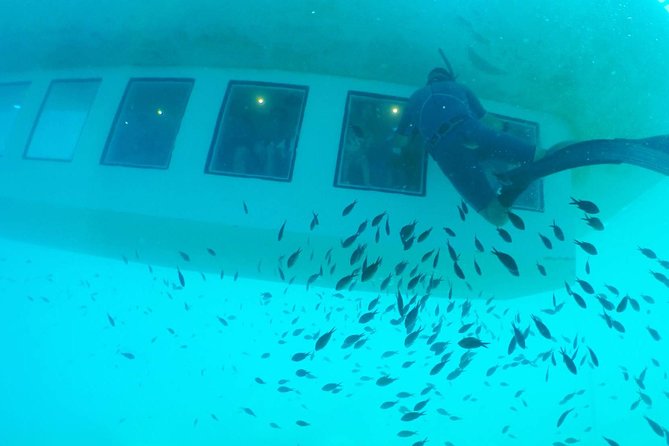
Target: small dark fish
<point>302,423</point>
<point>504,234</point>
<point>557,231</point>
<point>612,289</point>
<point>324,339</point>
<point>111,320</point>
<point>400,267</point>
<point>314,221</point>
<point>182,281</point>
<point>586,206</point>
<point>405,434</point>
<point>478,244</point>
<point>222,321</point>
<point>461,213</point>
<point>477,268</point>
<point>516,221</point>
<point>543,329</point>
<point>586,286</point>
<point>458,271</point>
<point>471,342</point>
<point>347,210</point>
<point>297,357</point>
<point>653,333</point>
<point>293,258</point>
<point>361,227</point>
<point>520,339</point>
<point>281,229</point>
<point>184,256</point>
<point>389,404</point>
<point>449,231</point>
<point>661,278</point>
<point>451,252</point>
<point>463,205</point>
<point>423,235</point>
<point>248,411</point>
<point>128,355</point>
<point>546,241</point>
<point>593,357</point>
<point>587,247</point>
<point>385,380</point>
<point>349,240</point>
<point>410,416</point>
<point>579,300</point>
<point>386,282</point>
<point>411,337</point>
<point>507,261</point>
<point>542,269</point>
<point>594,222</point>
<point>345,281</point>
<point>368,271</point>
<point>376,220</point>
<point>611,442</point>
<point>211,252</point>
<point>659,430</point>
<point>407,230</point>
<point>563,416</point>
<point>367,317</point>
<point>246,208</point>
<point>570,365</point>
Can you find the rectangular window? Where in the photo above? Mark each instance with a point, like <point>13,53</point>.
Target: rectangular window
<point>61,119</point>
<point>147,123</point>
<point>257,131</point>
<point>366,160</point>
<point>533,198</point>
<point>11,101</point>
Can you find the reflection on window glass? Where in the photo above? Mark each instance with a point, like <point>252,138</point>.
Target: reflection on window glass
<point>11,101</point>
<point>257,131</point>
<point>147,123</point>
<point>366,158</point>
<point>61,119</point>
<point>533,198</point>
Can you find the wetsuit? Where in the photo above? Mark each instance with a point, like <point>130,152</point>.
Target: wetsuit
<point>447,116</point>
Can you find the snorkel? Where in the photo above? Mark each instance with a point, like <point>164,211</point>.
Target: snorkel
<point>449,68</point>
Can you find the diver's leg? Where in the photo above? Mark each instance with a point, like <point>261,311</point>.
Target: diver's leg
<point>495,144</point>
<point>462,168</point>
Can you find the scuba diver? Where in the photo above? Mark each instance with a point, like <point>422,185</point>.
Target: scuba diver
<point>461,136</point>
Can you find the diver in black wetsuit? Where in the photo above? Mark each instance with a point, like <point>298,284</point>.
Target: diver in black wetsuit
<point>458,134</point>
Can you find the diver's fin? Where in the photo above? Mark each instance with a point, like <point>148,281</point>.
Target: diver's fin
<point>650,153</point>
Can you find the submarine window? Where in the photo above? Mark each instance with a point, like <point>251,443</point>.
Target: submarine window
<point>147,123</point>
<point>11,101</point>
<point>61,119</point>
<point>257,130</point>
<point>364,161</point>
<point>533,198</point>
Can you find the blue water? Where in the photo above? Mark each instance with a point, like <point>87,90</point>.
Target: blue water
<point>111,352</point>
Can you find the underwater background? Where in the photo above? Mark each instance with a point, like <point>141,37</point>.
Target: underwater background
<point>117,351</point>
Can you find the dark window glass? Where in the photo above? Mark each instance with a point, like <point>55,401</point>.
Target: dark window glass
<point>11,101</point>
<point>257,131</point>
<point>147,123</point>
<point>61,119</point>
<point>366,159</point>
<point>533,198</point>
